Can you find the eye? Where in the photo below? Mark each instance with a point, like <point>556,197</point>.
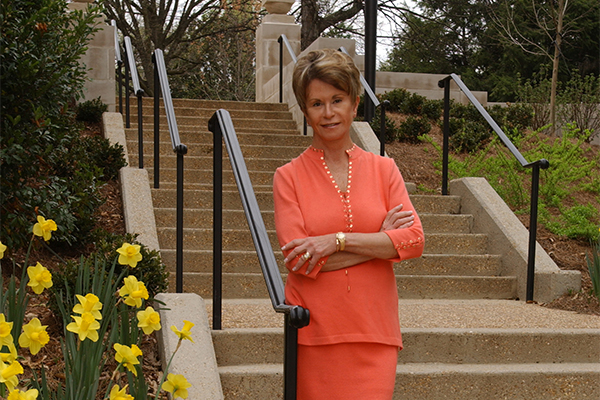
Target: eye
<point>316,104</point>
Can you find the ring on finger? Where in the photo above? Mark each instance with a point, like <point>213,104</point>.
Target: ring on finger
<point>306,256</point>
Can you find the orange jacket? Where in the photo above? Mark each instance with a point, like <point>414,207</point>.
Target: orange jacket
<point>359,303</point>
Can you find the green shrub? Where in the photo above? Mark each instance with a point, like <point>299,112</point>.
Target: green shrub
<point>577,222</point>
<point>91,110</point>
<point>150,269</point>
<point>391,130</point>
<point>432,109</point>
<point>536,93</point>
<point>98,152</point>
<point>413,105</point>
<point>396,98</point>
<point>42,42</point>
<point>470,137</point>
<point>578,103</point>
<point>413,128</point>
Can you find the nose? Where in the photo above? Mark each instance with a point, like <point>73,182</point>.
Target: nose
<point>329,110</point>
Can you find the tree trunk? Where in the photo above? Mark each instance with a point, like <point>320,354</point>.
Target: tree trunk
<point>309,32</point>
<point>557,43</point>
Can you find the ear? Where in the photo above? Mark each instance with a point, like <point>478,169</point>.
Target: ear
<point>356,105</point>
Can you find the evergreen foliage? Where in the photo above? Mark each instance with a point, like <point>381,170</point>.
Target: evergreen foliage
<point>47,167</point>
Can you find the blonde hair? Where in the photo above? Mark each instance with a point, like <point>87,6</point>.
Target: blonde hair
<point>330,66</point>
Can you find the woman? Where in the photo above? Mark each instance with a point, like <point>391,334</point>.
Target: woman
<point>343,216</point>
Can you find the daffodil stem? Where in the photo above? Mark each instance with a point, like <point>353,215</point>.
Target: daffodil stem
<point>167,369</point>
<point>53,252</point>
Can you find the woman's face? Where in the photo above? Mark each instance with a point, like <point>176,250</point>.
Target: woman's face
<point>329,111</point>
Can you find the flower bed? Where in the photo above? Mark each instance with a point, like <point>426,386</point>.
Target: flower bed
<point>106,320</point>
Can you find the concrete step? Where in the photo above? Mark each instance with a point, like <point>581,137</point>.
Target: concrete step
<point>203,150</point>
<point>206,162</point>
<point>245,261</point>
<point>231,200</point>
<point>442,381</point>
<point>252,286</point>
<point>207,113</point>
<point>191,133</point>
<point>438,345</point>
<point>291,138</point>
<point>453,349</point>
<point>205,176</point>
<point>210,104</point>
<point>240,239</point>
<point>202,218</point>
<point>202,123</point>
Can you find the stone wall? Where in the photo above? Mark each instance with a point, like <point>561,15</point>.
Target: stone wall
<point>100,62</point>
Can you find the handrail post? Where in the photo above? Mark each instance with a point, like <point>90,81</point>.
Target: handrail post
<point>382,129</point>
<point>120,83</point>
<point>181,150</point>
<point>119,64</point>
<point>140,131</point>
<point>156,124</point>
<point>445,146</point>
<point>533,214</point>
<point>127,106</point>
<point>290,359</point>
<point>217,228</point>
<point>280,40</point>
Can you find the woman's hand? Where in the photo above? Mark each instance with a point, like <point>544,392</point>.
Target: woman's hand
<point>397,219</point>
<point>316,246</point>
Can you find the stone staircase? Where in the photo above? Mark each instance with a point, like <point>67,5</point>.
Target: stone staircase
<point>463,338</point>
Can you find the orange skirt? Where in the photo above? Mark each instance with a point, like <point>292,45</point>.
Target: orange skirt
<point>361,371</point>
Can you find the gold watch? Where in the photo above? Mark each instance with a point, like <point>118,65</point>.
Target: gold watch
<point>340,241</point>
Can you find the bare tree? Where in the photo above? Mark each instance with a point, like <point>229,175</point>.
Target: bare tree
<point>169,25</point>
<point>551,19</point>
<point>319,16</point>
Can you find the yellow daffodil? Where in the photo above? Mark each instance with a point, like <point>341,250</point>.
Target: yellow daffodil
<point>129,254</point>
<point>16,394</point>
<point>184,333</point>
<point>119,394</point>
<point>177,385</point>
<point>39,278</point>
<point>34,336</point>
<point>8,374</point>
<point>133,291</point>
<point>44,227</point>
<point>90,303</point>
<point>2,250</point>
<point>5,328</point>
<point>148,320</point>
<point>85,326</point>
<point>127,356</point>
<point>11,355</point>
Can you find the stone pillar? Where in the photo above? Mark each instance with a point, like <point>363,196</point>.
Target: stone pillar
<point>99,61</point>
<point>276,23</point>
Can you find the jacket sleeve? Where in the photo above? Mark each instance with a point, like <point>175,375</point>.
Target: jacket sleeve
<point>408,242</point>
<point>289,222</point>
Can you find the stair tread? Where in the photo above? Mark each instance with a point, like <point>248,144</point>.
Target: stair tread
<point>433,368</point>
<point>429,314</point>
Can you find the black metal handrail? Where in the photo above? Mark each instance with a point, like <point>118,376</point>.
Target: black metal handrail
<point>119,61</point>
<point>161,84</point>
<point>137,90</point>
<point>283,40</point>
<point>296,317</point>
<point>535,168</point>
